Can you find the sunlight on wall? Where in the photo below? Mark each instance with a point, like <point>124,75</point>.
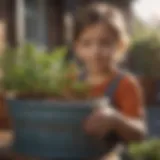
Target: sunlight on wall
<point>147,9</point>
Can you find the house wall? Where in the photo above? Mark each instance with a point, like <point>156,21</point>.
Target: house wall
<point>56,11</point>
<point>7,10</point>
<point>55,22</point>
<point>11,30</point>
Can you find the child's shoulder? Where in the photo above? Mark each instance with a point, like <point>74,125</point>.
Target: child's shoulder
<point>129,89</point>
<point>129,81</point>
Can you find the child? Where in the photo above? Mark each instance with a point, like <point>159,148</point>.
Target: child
<point>100,41</point>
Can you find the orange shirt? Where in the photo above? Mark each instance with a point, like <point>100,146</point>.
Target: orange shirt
<point>128,96</point>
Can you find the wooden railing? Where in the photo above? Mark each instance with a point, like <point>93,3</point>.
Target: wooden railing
<point>5,122</point>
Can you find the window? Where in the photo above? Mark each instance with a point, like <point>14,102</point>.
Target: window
<point>36,22</point>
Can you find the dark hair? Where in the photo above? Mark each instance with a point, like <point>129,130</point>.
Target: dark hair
<point>100,13</point>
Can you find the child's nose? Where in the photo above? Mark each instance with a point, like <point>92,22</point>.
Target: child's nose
<point>96,50</point>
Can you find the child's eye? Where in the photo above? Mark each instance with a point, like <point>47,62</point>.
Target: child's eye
<point>86,43</point>
<point>106,43</point>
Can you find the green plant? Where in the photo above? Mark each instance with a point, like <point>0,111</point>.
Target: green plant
<point>144,56</point>
<point>28,70</point>
<point>148,150</point>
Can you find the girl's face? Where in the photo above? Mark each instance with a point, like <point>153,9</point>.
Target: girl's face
<point>95,47</point>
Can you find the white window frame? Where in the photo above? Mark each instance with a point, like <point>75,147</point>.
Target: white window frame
<point>21,24</point>
<point>20,21</point>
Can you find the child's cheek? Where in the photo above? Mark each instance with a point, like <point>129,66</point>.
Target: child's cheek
<point>83,55</point>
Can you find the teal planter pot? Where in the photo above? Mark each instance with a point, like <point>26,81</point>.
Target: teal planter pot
<point>153,121</point>
<point>52,129</point>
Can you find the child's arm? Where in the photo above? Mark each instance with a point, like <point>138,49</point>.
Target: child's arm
<point>131,129</point>
<point>130,122</point>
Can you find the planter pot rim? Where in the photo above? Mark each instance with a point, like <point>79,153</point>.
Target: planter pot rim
<point>60,103</point>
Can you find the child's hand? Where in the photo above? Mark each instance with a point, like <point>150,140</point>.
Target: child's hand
<point>101,121</point>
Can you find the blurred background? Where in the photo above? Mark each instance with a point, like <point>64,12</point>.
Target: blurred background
<point>48,24</point>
